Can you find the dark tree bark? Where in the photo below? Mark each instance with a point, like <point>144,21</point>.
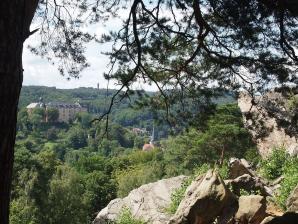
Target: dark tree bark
<point>15,19</point>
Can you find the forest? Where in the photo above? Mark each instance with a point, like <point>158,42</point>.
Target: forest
<point>69,171</point>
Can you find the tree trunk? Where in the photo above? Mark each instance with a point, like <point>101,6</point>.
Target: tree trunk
<point>222,156</point>
<point>15,19</point>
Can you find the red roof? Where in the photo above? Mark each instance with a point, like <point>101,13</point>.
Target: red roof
<point>148,147</point>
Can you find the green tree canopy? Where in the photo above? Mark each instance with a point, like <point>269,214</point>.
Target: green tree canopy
<point>76,138</point>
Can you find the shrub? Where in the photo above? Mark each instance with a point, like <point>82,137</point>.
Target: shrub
<point>224,170</point>
<point>202,169</point>
<point>277,164</point>
<point>177,196</point>
<point>253,156</point>
<point>272,167</point>
<point>136,176</point>
<point>127,218</point>
<point>290,181</point>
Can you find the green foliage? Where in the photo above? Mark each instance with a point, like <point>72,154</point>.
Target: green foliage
<point>22,212</point>
<point>37,116</point>
<point>244,192</point>
<point>23,120</point>
<point>84,119</point>
<point>100,189</point>
<point>293,102</point>
<point>202,169</point>
<point>253,156</point>
<point>224,136</point>
<point>177,196</point>
<point>32,176</point>
<point>136,176</point>
<point>76,138</point>
<point>223,170</point>
<point>290,181</point>
<point>225,132</point>
<point>279,163</point>
<point>64,202</point>
<point>272,167</point>
<point>109,148</point>
<point>127,218</point>
<point>88,164</point>
<point>52,114</point>
<point>66,169</point>
<point>51,134</point>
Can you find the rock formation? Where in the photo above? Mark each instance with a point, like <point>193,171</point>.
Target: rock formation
<point>239,200</point>
<point>204,200</point>
<point>252,209</point>
<point>147,202</point>
<point>266,130</point>
<point>241,176</point>
<point>287,218</point>
<point>292,202</point>
<point>238,168</point>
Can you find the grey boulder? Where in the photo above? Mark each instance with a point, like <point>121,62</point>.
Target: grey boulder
<point>147,202</point>
<point>252,209</point>
<point>205,199</point>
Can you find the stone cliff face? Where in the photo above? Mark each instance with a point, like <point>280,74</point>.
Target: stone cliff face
<point>266,130</point>
<point>147,202</point>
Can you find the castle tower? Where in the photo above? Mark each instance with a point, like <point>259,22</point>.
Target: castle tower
<point>152,137</point>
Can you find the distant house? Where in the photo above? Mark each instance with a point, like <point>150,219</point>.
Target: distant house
<point>139,131</point>
<point>67,111</point>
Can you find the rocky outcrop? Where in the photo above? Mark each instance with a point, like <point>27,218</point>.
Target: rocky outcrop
<point>266,130</point>
<point>147,202</point>
<point>292,202</point>
<point>252,209</point>
<point>204,200</point>
<point>287,218</point>
<point>239,167</point>
<point>250,184</point>
<point>207,199</point>
<point>241,176</point>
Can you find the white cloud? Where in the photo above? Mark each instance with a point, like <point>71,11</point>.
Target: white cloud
<point>39,71</point>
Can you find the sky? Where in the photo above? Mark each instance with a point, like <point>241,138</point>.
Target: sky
<point>39,71</point>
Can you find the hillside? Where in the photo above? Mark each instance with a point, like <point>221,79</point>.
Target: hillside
<point>95,100</point>
<point>124,113</point>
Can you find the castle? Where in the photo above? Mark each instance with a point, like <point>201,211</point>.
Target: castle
<point>67,111</point>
